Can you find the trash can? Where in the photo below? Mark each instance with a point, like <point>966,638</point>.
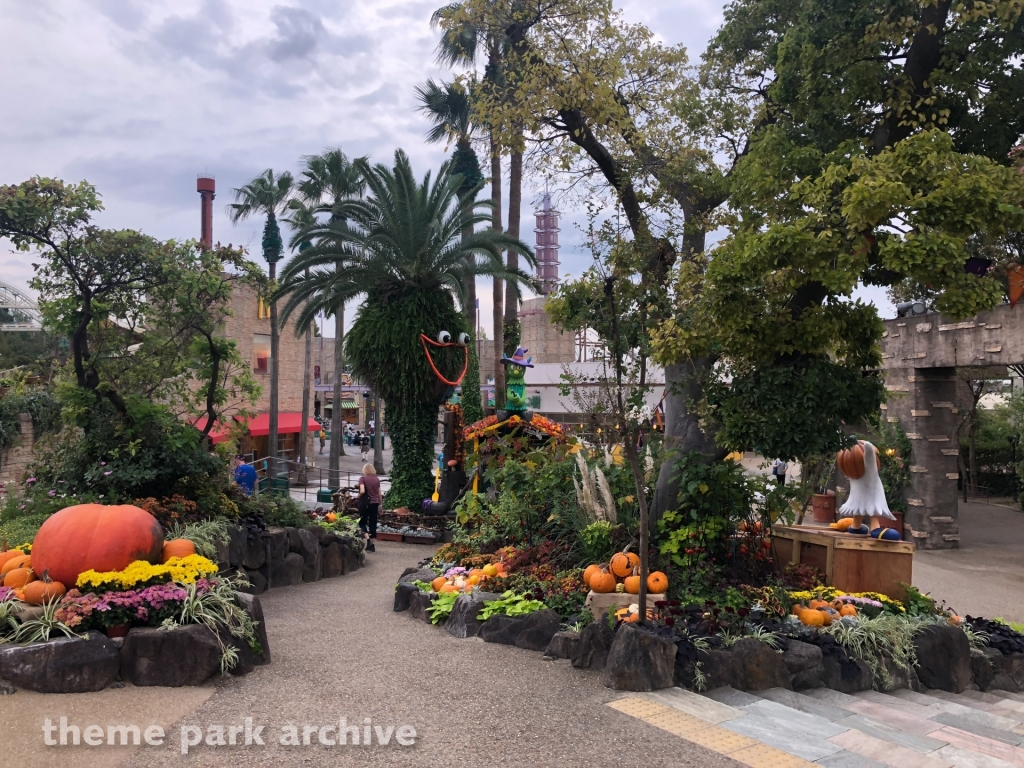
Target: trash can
<point>326,495</point>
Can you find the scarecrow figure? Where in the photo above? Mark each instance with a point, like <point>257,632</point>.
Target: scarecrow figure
<point>515,386</point>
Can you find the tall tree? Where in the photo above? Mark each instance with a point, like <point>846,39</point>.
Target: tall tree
<point>326,180</point>
<point>267,195</point>
<point>448,107</point>
<point>404,251</point>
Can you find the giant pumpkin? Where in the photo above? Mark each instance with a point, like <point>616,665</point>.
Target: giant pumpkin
<point>96,537</point>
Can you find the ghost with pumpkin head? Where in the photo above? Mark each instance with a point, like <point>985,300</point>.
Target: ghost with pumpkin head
<point>861,464</point>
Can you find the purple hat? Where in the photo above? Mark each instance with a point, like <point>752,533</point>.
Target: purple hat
<point>519,358</point>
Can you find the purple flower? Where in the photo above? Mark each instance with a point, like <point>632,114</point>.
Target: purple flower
<point>103,463</point>
<point>107,473</point>
<point>51,492</point>
<point>30,480</point>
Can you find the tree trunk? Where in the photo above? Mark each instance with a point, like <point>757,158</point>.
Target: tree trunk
<point>275,351</point>
<point>498,315</point>
<point>515,199</point>
<point>337,437</point>
<point>378,428</point>
<point>471,400</point>
<point>303,435</point>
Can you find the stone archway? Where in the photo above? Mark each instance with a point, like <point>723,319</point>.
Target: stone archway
<point>920,356</point>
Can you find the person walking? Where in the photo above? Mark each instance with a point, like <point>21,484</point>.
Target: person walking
<point>779,469</point>
<point>245,475</point>
<point>364,446</point>
<point>369,504</point>
<point>323,439</point>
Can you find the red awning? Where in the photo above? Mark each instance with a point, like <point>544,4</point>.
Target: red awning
<point>287,423</point>
<point>218,434</point>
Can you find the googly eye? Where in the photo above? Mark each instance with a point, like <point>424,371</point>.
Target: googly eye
<point>444,337</point>
<point>463,339</point>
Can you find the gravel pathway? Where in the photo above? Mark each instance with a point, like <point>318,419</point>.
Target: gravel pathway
<point>339,651</point>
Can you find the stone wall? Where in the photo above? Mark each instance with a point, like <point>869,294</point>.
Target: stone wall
<point>15,460</point>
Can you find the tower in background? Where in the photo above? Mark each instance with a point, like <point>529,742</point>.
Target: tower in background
<point>547,246</point>
<point>206,186</point>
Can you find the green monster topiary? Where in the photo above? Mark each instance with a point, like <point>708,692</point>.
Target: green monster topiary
<point>409,248</point>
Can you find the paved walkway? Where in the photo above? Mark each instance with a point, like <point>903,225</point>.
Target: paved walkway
<point>339,651</point>
<point>985,576</point>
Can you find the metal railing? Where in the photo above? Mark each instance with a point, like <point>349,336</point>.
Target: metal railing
<point>315,482</point>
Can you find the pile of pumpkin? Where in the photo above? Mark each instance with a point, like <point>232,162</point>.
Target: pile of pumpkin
<point>465,582</point>
<point>622,574</point>
<point>821,613</point>
<point>117,536</point>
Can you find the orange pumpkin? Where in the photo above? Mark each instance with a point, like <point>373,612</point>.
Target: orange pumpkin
<point>449,588</point>
<point>602,582</point>
<point>590,571</point>
<point>9,554</point>
<point>621,565</point>
<point>330,517</point>
<point>632,584</point>
<point>797,608</point>
<point>18,578</point>
<point>851,461</point>
<point>43,591</point>
<point>816,604</point>
<point>848,610</point>
<point>97,537</point>
<point>19,561</point>
<point>812,618</point>
<point>657,583</point>
<point>439,582</point>
<point>1015,278</point>
<point>177,548</point>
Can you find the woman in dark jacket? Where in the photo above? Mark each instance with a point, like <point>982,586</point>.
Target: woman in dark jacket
<point>369,486</point>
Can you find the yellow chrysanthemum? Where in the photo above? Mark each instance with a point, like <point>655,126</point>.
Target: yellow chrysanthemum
<point>184,570</point>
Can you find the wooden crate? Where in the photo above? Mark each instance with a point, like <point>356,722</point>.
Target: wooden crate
<point>851,563</point>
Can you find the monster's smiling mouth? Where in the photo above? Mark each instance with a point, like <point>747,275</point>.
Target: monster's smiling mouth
<point>424,340</point>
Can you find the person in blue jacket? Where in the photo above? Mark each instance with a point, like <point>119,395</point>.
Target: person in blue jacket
<point>245,476</point>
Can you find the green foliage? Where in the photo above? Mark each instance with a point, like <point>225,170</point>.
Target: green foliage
<point>894,452</point>
<point>276,510</point>
<point>206,535</point>
<point>597,541</point>
<point>442,606</point>
<point>917,603</point>
<point>41,404</point>
<point>791,411</point>
<point>472,405</point>
<point>876,641</point>
<point>510,604</point>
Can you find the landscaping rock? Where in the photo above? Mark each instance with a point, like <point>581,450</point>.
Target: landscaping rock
<point>595,642</point>
<point>331,560</point>
<point>259,583</point>
<point>463,621</point>
<point>801,657</point>
<point>6,689</point>
<point>640,661</point>
<point>319,532</point>
<point>418,604</point>
<point>721,667</point>
<point>538,629</point>
<point>312,557</point>
<point>502,629</point>
<point>236,545</point>
<point>403,595</point>
<point>809,678</point>
<point>422,574</point>
<point>279,544</point>
<point>245,659</point>
<point>763,667</point>
<point>169,657</point>
<point>563,645</point>
<point>1007,670</point>
<point>943,658</point>
<point>223,554</point>
<point>849,677</point>
<point>302,542</point>
<point>407,571</point>
<point>254,608</point>
<point>287,572</point>
<point>255,552</point>
<point>61,665</point>
<point>982,670</point>
<point>349,560</point>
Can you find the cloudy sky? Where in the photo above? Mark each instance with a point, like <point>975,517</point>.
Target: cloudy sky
<point>138,97</point>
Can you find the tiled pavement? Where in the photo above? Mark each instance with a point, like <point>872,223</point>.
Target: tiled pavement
<point>903,729</point>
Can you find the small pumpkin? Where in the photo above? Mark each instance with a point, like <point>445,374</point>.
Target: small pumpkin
<point>851,461</point>
<point>9,554</point>
<point>331,517</point>
<point>657,583</point>
<point>848,610</point>
<point>590,571</point>
<point>43,590</point>
<point>621,565</point>
<point>18,561</point>
<point>602,582</point>
<point>816,604</point>
<point>177,548</point>
<point>490,570</point>
<point>18,578</point>
<point>797,608</point>
<point>448,588</point>
<point>439,582</point>
<point>632,584</point>
<point>812,618</point>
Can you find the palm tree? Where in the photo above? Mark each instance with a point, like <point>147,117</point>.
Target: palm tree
<point>448,106</point>
<point>325,180</point>
<point>458,47</point>
<point>267,195</point>
<point>403,249</point>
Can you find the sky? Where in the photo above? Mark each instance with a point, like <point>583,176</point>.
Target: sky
<point>138,97</point>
